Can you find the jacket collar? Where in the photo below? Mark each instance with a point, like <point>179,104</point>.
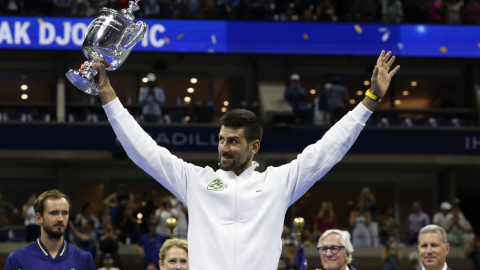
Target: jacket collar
<point>44,250</point>
<point>245,174</point>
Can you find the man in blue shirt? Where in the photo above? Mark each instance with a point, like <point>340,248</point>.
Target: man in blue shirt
<point>151,243</point>
<point>51,251</point>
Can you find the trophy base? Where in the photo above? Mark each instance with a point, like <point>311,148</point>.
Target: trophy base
<point>80,80</point>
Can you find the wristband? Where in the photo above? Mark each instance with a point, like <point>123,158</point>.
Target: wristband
<point>372,96</point>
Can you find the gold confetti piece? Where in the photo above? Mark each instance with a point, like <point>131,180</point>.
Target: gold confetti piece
<point>180,36</point>
<point>40,21</point>
<point>305,36</point>
<point>478,44</point>
<point>443,49</point>
<point>358,29</point>
<point>214,39</point>
<point>167,40</point>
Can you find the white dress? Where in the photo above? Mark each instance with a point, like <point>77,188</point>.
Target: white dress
<point>361,233</point>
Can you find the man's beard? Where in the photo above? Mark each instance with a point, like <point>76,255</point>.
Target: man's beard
<point>234,166</point>
<point>55,234</point>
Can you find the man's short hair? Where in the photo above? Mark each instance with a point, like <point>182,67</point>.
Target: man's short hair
<point>39,205</point>
<point>344,239</point>
<point>433,229</point>
<point>239,118</point>
<point>174,242</point>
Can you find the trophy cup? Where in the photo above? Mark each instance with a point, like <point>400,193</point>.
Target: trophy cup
<point>109,38</point>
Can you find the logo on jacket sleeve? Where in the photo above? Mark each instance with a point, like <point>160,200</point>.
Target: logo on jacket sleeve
<point>216,185</point>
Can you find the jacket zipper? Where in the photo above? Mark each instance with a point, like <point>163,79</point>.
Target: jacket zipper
<point>235,228</point>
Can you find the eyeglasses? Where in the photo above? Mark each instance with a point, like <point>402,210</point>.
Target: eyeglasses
<point>334,249</point>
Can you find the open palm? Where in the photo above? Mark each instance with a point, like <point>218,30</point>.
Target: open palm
<point>381,77</point>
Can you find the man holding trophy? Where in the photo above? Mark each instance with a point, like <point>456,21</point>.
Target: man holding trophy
<point>235,212</point>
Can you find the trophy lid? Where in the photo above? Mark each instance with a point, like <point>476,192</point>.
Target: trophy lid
<point>132,7</point>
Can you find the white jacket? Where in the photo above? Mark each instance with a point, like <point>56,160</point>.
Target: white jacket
<point>235,222</point>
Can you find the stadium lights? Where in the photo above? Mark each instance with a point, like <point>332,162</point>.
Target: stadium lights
<point>190,90</point>
<point>413,83</point>
<point>313,91</point>
<point>187,99</point>
<point>352,101</point>
<point>359,92</point>
<point>139,215</point>
<point>24,96</point>
<point>187,118</point>
<point>145,80</point>
<point>193,80</point>
<point>366,83</point>
<point>224,109</point>
<point>24,87</point>
<point>225,103</point>
<point>398,102</point>
<point>405,93</point>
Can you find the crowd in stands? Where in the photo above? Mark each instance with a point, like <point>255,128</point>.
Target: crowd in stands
<point>367,11</point>
<point>142,223</point>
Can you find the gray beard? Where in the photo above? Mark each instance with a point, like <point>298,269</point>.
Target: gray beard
<point>234,165</point>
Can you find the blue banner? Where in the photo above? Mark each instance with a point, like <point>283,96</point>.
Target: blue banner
<point>190,138</point>
<point>195,36</point>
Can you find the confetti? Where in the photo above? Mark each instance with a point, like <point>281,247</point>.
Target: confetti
<point>40,21</point>
<point>167,40</point>
<point>214,39</point>
<point>211,51</point>
<point>443,49</point>
<point>358,29</point>
<point>305,36</point>
<point>180,36</point>
<point>478,44</point>
<point>400,45</point>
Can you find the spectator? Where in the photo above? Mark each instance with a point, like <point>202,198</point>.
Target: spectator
<point>181,230</point>
<point>367,11</point>
<point>392,11</point>
<point>149,244</point>
<point>415,261</point>
<point>129,224</point>
<point>433,247</point>
<point>291,251</point>
<point>87,238</point>
<point>109,243</point>
<point>326,11</point>
<point>307,237</point>
<point>416,221</point>
<point>337,97</point>
<point>32,228</point>
<point>117,202</point>
<point>472,251</point>
<point>325,219</point>
<point>153,266</point>
<point>174,255</point>
<point>288,237</point>
<point>260,9</point>
<point>432,11</point>
<point>11,7</point>
<point>391,255</point>
<point>80,8</point>
<point>164,212</point>
<point>296,95</point>
<point>147,209</point>
<point>369,197</point>
<point>8,213</point>
<point>360,220</point>
<point>191,9</point>
<point>388,225</point>
<point>459,229</point>
<point>62,8</point>
<point>453,11</point>
<point>208,9</point>
<point>321,111</point>
<point>336,250</point>
<point>441,218</point>
<point>151,98</point>
<point>108,262</point>
<point>471,11</point>
<point>86,215</point>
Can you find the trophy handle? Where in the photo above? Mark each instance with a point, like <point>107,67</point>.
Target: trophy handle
<point>138,31</point>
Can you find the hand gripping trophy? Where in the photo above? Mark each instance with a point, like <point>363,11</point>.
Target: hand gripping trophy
<point>109,38</point>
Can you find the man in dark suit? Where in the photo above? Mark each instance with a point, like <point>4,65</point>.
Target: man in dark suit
<point>433,248</point>
<point>335,250</point>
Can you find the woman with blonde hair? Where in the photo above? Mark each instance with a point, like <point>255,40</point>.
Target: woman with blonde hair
<point>325,220</point>
<point>174,255</point>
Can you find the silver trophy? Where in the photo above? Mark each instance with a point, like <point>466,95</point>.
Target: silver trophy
<point>110,37</point>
